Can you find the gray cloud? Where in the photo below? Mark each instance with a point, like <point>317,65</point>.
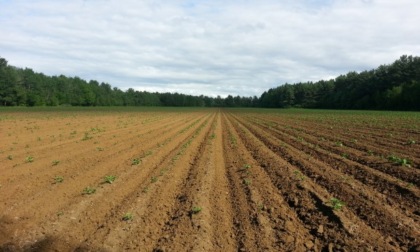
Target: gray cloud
<point>207,47</point>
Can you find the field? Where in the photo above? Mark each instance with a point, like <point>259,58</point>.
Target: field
<point>154,179</point>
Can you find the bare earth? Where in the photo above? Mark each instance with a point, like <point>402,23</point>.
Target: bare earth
<point>208,180</point>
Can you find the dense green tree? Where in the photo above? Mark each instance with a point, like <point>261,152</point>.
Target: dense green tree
<point>394,86</point>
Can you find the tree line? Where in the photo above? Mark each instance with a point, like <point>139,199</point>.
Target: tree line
<point>24,87</point>
<point>394,86</point>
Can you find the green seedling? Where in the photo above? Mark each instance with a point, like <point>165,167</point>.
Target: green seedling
<point>127,217</point>
<point>109,179</point>
<point>154,179</point>
<point>55,162</point>
<point>89,190</point>
<point>399,161</point>
<point>246,167</point>
<point>411,142</point>
<point>336,204</point>
<point>10,157</point>
<point>29,159</point>
<point>86,136</point>
<point>299,175</point>
<point>247,182</point>
<point>100,149</point>
<point>409,185</point>
<point>136,161</point>
<point>196,210</point>
<point>58,179</point>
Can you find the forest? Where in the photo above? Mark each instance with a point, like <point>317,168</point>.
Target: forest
<point>388,87</point>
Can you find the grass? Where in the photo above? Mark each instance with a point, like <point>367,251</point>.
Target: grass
<point>55,162</point>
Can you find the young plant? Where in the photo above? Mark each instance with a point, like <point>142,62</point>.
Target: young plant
<point>10,157</point>
<point>336,204</point>
<point>109,179</point>
<point>136,161</point>
<point>154,179</point>
<point>86,136</point>
<point>196,209</point>
<point>89,190</point>
<point>339,144</point>
<point>399,161</point>
<point>411,142</point>
<point>127,217</point>
<point>247,182</point>
<point>299,175</point>
<point>29,159</point>
<point>58,179</point>
<point>55,162</point>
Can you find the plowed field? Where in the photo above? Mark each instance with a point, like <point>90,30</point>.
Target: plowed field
<point>209,180</point>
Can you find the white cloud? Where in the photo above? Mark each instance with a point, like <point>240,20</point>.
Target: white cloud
<point>214,47</point>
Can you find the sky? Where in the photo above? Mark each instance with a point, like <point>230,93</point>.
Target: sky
<point>209,47</point>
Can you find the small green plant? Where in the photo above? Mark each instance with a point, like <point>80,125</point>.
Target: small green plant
<point>345,155</point>
<point>370,153</point>
<point>299,175</point>
<point>339,144</point>
<point>60,213</point>
<point>411,142</point>
<point>29,159</point>
<point>86,136</point>
<point>100,149</point>
<point>399,161</point>
<point>145,190</point>
<point>55,162</point>
<point>89,190</point>
<point>10,157</point>
<point>247,182</point>
<point>336,204</point>
<point>58,179</point>
<point>196,209</point>
<point>127,217</point>
<point>109,179</point>
<point>136,161</point>
<point>246,167</point>
<point>154,179</point>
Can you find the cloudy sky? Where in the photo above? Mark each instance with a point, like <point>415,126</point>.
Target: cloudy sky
<point>210,47</point>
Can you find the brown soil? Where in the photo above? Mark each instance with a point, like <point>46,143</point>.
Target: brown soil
<point>207,180</point>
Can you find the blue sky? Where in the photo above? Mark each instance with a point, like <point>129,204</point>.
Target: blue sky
<point>215,47</point>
